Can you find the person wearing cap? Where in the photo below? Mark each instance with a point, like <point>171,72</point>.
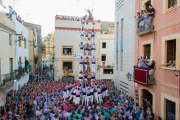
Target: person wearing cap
<point>93,36</point>
<point>82,32</point>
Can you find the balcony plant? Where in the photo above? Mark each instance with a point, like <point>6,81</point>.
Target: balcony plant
<point>15,70</point>
<point>4,81</point>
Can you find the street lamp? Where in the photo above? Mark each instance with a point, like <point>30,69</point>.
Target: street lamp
<point>129,75</point>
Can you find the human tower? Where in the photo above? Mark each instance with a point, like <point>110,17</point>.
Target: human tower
<point>86,91</point>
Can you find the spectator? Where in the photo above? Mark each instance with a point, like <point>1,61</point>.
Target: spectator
<point>151,15</point>
<point>173,3</point>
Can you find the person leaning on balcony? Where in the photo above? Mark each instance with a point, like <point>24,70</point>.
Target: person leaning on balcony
<point>151,15</point>
<point>141,21</point>
<point>142,64</point>
<point>138,18</point>
<point>151,67</point>
<point>173,3</point>
<point>169,64</point>
<point>20,64</point>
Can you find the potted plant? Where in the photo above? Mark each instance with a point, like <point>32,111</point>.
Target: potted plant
<point>4,81</point>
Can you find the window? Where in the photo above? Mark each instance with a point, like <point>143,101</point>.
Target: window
<point>19,41</point>
<point>104,45</point>
<point>117,60</point>
<point>67,50</point>
<point>103,57</point>
<point>121,61</point>
<point>147,50</point>
<point>25,43</point>
<point>172,3</point>
<point>67,65</point>
<point>171,50</point>
<point>10,65</point>
<point>170,110</point>
<point>147,5</point>
<point>108,71</point>
<point>121,29</point>
<point>10,39</point>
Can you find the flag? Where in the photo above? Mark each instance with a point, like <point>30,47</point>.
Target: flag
<point>103,65</point>
<point>66,73</point>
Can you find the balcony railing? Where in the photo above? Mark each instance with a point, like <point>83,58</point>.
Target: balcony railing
<point>144,31</point>
<point>144,76</point>
<point>23,70</point>
<point>8,79</point>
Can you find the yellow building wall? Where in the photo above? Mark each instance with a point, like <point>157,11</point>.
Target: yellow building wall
<point>31,51</point>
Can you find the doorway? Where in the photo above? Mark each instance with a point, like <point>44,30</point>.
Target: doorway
<point>147,95</point>
<point>147,50</point>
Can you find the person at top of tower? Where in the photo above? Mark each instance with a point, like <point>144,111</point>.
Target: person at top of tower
<point>89,12</point>
<point>82,32</point>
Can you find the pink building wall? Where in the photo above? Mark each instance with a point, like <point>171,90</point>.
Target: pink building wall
<point>165,77</point>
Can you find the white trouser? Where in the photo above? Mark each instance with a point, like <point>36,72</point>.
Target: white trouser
<point>106,92</point>
<point>85,66</point>
<point>81,53</point>
<point>86,26</point>
<point>85,79</point>
<point>94,26</point>
<point>68,93</point>
<point>103,94</point>
<point>82,25</point>
<point>71,97</point>
<point>77,100</point>
<point>93,53</point>
<point>87,52</point>
<point>80,67</point>
<point>81,38</point>
<point>96,97</point>
<point>86,38</point>
<point>92,96</point>
<point>92,40</point>
<point>64,95</point>
<point>93,66</point>
<point>100,98</point>
<point>74,98</point>
<point>88,98</point>
<point>83,99</point>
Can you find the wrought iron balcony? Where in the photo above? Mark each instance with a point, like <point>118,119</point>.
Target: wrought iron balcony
<point>23,70</point>
<point>9,79</point>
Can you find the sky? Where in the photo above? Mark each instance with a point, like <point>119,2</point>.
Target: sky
<point>42,12</point>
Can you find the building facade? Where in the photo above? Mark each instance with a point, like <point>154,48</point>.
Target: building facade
<point>162,44</point>
<point>106,51</point>
<point>37,41</point>
<point>67,36</point>
<point>48,46</point>
<point>22,51</point>
<point>8,76</point>
<point>124,45</point>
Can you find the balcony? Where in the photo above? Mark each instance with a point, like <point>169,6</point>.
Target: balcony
<point>141,76</point>
<point>144,31</point>
<point>23,70</point>
<point>9,79</point>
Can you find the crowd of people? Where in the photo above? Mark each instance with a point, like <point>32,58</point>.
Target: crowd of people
<point>42,98</point>
<point>74,18</point>
<point>144,19</point>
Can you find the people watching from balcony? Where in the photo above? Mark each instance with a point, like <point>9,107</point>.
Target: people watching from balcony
<point>147,60</point>
<point>144,19</point>
<point>170,64</point>
<point>65,51</point>
<point>151,15</point>
<point>173,3</point>
<point>137,19</point>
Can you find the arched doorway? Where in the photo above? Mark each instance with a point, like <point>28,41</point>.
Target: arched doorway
<point>147,95</point>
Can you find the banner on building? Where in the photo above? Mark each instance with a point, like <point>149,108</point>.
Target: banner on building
<point>141,76</point>
<point>76,55</point>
